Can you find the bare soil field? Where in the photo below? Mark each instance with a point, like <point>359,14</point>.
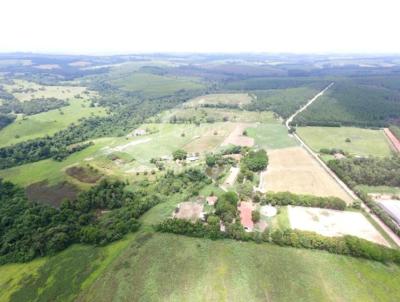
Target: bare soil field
<point>294,170</point>
<point>189,210</point>
<point>236,137</point>
<point>334,223</point>
<point>53,195</point>
<point>83,174</point>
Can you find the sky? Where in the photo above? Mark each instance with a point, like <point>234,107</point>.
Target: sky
<point>135,26</point>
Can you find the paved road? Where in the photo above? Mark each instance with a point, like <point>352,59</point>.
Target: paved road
<point>392,235</point>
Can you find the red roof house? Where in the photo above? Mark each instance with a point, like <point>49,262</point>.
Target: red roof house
<point>245,209</point>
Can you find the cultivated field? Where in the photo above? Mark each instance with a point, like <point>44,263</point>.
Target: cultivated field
<point>334,223</point>
<point>239,99</point>
<point>364,142</point>
<point>47,123</point>
<point>294,170</point>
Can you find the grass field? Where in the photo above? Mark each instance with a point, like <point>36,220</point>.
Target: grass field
<point>271,136</point>
<point>166,267</point>
<point>42,91</point>
<point>47,123</point>
<point>152,85</point>
<point>364,142</point>
<point>294,170</point>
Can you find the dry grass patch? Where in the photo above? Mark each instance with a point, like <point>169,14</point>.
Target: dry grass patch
<point>294,170</point>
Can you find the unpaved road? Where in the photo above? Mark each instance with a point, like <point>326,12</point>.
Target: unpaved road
<point>392,235</point>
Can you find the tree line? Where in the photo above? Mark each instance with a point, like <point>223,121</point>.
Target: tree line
<point>345,245</point>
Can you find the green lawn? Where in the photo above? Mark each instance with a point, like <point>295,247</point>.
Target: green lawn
<point>271,136</point>
<point>364,142</point>
<point>153,85</point>
<point>46,123</point>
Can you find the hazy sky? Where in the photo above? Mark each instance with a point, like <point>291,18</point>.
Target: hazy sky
<point>117,26</point>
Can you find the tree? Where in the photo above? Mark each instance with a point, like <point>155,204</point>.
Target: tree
<point>179,154</point>
<point>211,160</point>
<point>255,216</point>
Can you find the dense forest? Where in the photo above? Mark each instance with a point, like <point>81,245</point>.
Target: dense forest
<point>98,216</point>
<point>368,171</point>
<point>283,101</point>
<point>347,103</point>
<point>34,106</point>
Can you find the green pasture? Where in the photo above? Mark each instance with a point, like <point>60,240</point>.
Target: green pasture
<point>363,142</point>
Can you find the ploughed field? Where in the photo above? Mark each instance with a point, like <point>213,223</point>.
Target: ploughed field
<point>294,170</point>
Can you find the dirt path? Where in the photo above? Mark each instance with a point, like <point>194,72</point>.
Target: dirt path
<point>395,143</point>
<point>390,233</point>
<point>230,180</point>
<point>236,137</point>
